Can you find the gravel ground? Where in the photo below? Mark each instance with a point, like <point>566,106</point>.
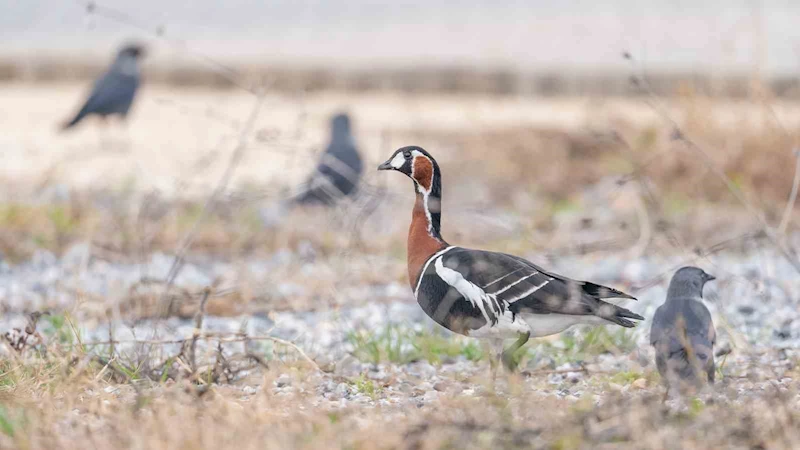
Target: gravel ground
<point>378,383</point>
<point>755,296</point>
<point>754,303</point>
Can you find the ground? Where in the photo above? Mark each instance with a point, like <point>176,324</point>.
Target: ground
<point>297,329</point>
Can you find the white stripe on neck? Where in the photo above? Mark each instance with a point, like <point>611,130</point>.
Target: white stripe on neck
<point>425,192</point>
<point>427,263</point>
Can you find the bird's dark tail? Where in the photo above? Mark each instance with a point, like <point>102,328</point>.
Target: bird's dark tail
<point>78,117</point>
<point>600,291</point>
<point>618,315</point>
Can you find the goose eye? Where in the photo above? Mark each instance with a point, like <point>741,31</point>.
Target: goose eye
<point>407,154</point>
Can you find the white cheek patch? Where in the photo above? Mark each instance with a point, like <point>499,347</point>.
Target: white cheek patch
<point>398,161</point>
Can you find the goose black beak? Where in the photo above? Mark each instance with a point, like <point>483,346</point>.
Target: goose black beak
<point>710,277</point>
<point>386,166</point>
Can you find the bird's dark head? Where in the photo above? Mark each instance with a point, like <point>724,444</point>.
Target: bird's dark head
<point>418,165</point>
<point>688,282</point>
<point>340,123</point>
<point>131,50</point>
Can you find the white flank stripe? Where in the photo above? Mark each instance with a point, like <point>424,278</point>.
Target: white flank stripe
<point>506,275</point>
<point>427,263</point>
<point>516,283</point>
<point>529,291</point>
<point>469,290</point>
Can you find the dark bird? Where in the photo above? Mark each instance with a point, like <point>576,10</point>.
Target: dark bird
<point>339,169</point>
<point>683,333</point>
<point>487,294</point>
<point>114,91</point>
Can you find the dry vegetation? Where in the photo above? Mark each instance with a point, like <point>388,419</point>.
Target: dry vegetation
<point>515,187</point>
<point>70,401</point>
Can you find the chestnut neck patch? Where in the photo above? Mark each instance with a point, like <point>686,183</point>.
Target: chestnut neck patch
<point>423,172</point>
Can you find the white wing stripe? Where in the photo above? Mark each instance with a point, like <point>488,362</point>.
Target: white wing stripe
<point>427,263</point>
<point>506,275</point>
<point>515,283</point>
<point>529,291</point>
<point>476,296</point>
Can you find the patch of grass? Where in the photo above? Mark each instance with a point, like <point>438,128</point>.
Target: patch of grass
<point>392,344</point>
<point>57,327</point>
<point>334,417</point>
<point>696,406</point>
<point>434,348</point>
<point>568,442</point>
<point>62,219</point>
<point>563,205</point>
<point>8,423</point>
<point>587,342</point>
<point>42,372</point>
<point>627,377</point>
<point>366,386</point>
<point>472,351</point>
<point>400,345</point>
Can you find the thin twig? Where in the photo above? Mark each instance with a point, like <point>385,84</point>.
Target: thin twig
<point>223,338</point>
<point>111,350</point>
<point>233,162</point>
<point>109,364</point>
<point>158,32</point>
<point>645,227</point>
<point>562,371</point>
<point>258,359</point>
<point>198,327</point>
<point>74,331</point>
<point>105,367</point>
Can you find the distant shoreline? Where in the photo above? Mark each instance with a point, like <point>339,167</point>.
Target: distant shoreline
<point>428,78</point>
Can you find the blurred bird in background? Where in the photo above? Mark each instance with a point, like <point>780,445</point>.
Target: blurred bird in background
<point>339,169</point>
<point>114,91</point>
<point>337,175</point>
<point>683,333</point>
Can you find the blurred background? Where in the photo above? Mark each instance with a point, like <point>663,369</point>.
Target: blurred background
<point>580,36</point>
<point>611,141</point>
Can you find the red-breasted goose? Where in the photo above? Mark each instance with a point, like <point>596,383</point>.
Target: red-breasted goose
<point>488,294</point>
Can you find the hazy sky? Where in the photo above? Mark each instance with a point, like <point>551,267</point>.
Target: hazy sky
<point>676,34</point>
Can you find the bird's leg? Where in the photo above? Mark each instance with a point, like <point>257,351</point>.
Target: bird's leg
<point>489,350</point>
<point>493,349</point>
<point>509,362</point>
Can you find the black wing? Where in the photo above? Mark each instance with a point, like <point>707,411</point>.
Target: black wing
<point>524,287</point>
<point>336,176</point>
<point>592,289</point>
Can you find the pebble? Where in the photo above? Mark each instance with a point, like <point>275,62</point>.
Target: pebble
<point>283,380</point>
<point>377,375</point>
<point>249,390</point>
<point>342,390</point>
<point>430,396</point>
<point>616,387</point>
